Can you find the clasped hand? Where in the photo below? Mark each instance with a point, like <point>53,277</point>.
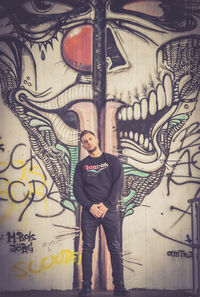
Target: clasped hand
<point>98,210</point>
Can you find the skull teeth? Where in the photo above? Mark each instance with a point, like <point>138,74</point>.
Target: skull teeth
<point>139,139</point>
<point>157,100</point>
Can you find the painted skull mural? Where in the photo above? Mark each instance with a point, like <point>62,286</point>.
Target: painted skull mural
<point>136,93</point>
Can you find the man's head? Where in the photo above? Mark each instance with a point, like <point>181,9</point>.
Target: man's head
<point>89,141</point>
<point>83,132</point>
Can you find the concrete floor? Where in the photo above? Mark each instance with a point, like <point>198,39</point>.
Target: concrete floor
<point>68,293</point>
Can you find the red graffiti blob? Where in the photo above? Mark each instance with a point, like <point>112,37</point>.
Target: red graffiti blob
<point>77,48</point>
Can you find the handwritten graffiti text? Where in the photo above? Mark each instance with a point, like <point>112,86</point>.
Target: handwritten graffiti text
<point>31,182</point>
<point>19,242</point>
<point>179,254</point>
<point>64,257</point>
<point>187,166</point>
<point>2,146</point>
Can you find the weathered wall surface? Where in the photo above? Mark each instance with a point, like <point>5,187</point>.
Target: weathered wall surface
<point>129,71</point>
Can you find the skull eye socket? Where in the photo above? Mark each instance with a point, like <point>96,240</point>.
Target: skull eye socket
<point>150,7</point>
<point>42,5</point>
<point>77,48</point>
<point>47,7</point>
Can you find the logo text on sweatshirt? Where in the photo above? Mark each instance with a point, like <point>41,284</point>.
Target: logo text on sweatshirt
<point>96,167</point>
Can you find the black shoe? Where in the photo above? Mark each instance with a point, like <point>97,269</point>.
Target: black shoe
<point>86,291</point>
<point>120,291</point>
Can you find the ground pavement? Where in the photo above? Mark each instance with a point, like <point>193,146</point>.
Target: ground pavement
<point>68,293</point>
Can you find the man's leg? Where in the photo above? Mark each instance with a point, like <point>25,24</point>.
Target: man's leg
<point>89,226</point>
<point>110,224</point>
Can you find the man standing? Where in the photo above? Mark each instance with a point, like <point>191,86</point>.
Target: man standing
<point>98,181</point>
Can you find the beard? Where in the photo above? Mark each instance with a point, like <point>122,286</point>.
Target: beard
<point>92,150</point>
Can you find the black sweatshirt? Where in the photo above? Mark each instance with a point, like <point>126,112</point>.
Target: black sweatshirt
<point>98,180</point>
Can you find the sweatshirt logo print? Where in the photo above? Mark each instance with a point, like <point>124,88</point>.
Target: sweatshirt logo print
<point>96,168</point>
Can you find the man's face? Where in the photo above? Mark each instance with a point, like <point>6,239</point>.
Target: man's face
<point>89,142</point>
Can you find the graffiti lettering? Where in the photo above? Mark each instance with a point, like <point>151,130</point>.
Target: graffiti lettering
<point>21,248</point>
<point>49,245</point>
<point>19,236</point>
<point>179,254</point>
<point>34,190</point>
<point>31,198</point>
<point>185,169</point>
<point>2,236</point>
<point>2,146</point>
<point>12,162</point>
<point>64,257</point>
<point>187,137</point>
<point>19,242</point>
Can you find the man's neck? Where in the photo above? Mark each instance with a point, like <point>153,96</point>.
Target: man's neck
<point>97,153</point>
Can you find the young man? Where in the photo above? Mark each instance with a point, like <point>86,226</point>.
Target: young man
<point>98,181</point>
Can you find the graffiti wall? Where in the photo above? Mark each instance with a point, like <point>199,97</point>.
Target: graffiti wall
<point>130,72</point>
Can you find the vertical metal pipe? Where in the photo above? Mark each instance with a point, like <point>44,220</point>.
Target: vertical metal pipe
<point>99,58</point>
<point>76,280</point>
<point>198,246</point>
<point>99,75</point>
<point>195,229</point>
<point>193,250</point>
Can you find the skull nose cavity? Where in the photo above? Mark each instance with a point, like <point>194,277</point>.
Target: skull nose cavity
<point>77,48</point>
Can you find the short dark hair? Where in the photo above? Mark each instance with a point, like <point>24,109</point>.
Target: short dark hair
<point>86,132</point>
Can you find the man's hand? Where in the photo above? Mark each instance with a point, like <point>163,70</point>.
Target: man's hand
<point>103,209</point>
<point>96,211</point>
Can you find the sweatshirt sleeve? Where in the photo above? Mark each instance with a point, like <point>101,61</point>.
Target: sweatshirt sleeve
<point>78,189</point>
<point>117,185</point>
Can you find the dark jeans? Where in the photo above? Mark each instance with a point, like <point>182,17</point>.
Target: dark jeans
<point>110,224</point>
